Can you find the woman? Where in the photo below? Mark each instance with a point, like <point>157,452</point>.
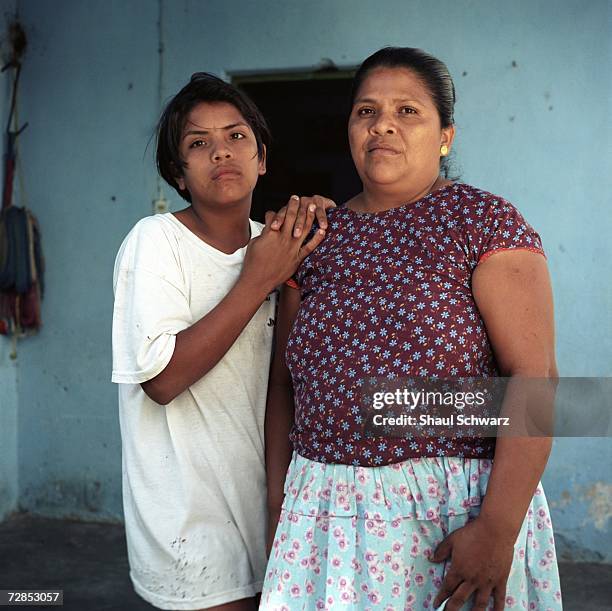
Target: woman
<point>418,276</point>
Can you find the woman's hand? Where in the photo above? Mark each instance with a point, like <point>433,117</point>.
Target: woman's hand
<point>273,257</point>
<point>481,557</point>
<point>317,204</point>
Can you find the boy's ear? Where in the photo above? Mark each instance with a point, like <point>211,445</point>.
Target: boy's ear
<point>178,177</point>
<point>261,167</point>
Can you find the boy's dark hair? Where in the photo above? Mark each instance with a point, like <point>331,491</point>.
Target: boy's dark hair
<point>203,87</point>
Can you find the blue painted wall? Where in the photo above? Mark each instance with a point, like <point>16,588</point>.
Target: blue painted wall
<point>534,86</point>
<point>8,432</point>
<point>8,366</point>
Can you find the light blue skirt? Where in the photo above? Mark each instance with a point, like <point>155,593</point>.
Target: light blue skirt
<point>359,538</point>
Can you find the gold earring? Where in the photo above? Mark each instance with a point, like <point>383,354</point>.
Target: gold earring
<point>444,150</point>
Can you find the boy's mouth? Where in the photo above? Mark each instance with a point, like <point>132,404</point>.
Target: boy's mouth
<point>226,172</point>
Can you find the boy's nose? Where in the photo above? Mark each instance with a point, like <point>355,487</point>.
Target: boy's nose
<point>221,153</point>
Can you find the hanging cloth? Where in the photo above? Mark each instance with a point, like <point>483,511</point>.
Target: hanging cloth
<point>21,259</point>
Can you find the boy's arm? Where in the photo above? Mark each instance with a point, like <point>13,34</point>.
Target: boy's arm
<point>200,347</point>
<point>279,409</point>
<point>271,258</point>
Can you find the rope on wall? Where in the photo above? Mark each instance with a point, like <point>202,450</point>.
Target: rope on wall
<point>21,259</point>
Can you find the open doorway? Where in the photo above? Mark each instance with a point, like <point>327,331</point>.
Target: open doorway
<point>307,114</point>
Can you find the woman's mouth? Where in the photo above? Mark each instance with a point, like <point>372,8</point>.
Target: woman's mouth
<point>380,148</point>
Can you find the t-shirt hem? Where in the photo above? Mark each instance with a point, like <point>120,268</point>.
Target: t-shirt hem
<point>138,377</point>
<point>185,604</point>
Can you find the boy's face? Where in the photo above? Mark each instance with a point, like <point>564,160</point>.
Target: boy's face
<point>220,151</point>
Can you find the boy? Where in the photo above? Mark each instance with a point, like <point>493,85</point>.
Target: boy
<point>192,332</point>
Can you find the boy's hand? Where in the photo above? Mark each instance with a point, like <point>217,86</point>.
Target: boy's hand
<point>273,257</point>
<point>317,204</point>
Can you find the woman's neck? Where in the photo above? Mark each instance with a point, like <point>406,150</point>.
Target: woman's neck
<point>376,199</point>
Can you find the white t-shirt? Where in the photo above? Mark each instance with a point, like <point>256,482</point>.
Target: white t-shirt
<point>194,488</point>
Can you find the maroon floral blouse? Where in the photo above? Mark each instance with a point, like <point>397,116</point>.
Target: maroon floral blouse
<point>388,294</point>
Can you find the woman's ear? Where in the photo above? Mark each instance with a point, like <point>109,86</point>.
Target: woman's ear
<point>448,135</point>
<point>261,167</point>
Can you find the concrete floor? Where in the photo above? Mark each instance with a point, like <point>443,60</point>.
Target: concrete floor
<point>88,561</point>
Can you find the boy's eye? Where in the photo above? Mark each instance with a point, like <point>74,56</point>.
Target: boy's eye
<point>237,136</point>
<point>365,111</point>
<point>197,144</point>
<point>407,110</point>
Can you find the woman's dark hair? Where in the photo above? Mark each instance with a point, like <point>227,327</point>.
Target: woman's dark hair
<point>430,70</point>
<point>203,87</point>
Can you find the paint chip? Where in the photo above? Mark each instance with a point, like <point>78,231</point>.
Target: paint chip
<point>600,505</point>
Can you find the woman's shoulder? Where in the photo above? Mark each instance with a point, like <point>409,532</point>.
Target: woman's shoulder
<point>475,207</point>
<point>475,196</point>
<point>333,213</point>
<point>493,222</point>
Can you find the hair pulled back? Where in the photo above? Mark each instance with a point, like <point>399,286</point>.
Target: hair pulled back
<point>429,69</point>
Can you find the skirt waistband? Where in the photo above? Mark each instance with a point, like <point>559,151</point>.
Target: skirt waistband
<point>417,488</point>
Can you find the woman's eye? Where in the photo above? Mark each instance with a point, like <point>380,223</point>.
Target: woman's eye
<point>237,136</point>
<point>407,110</point>
<point>197,144</point>
<point>362,112</point>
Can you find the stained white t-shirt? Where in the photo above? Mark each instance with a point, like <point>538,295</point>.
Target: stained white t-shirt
<point>194,489</point>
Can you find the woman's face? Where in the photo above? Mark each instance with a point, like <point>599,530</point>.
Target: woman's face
<point>394,132</point>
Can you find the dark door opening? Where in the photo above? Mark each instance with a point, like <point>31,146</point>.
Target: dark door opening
<point>307,115</point>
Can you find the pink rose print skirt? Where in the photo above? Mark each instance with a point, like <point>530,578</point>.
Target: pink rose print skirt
<point>359,538</point>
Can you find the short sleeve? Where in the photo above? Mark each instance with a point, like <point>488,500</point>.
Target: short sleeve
<point>150,307</point>
<point>292,283</point>
<point>504,228</point>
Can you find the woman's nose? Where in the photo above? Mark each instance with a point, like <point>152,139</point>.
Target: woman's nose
<point>383,123</point>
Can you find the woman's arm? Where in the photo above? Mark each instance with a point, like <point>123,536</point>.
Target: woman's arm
<point>279,409</point>
<point>514,296</point>
<point>513,293</point>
